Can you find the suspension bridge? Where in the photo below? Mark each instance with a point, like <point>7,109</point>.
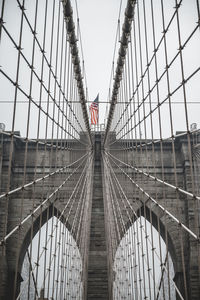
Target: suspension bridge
<point>90,212</point>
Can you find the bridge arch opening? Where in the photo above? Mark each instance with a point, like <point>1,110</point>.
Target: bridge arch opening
<point>143,265</point>
<point>51,265</point>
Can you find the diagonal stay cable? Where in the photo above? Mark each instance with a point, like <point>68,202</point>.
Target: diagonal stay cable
<point>55,226</point>
<point>157,204</point>
<point>41,178</point>
<point>156,178</point>
<point>39,206</point>
<point>164,268</point>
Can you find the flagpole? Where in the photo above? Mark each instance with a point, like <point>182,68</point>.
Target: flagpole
<point>98,111</point>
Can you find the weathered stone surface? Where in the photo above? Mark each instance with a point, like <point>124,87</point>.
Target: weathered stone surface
<point>98,273</point>
<point>169,161</point>
<point>97,268</point>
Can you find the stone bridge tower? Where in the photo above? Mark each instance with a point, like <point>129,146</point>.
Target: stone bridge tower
<point>101,221</point>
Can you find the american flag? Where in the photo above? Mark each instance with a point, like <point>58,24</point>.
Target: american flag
<point>94,111</point>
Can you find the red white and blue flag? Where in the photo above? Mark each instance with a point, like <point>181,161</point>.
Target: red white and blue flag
<point>94,111</point>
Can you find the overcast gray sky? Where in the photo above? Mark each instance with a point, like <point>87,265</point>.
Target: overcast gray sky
<point>98,24</point>
<point>98,21</point>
